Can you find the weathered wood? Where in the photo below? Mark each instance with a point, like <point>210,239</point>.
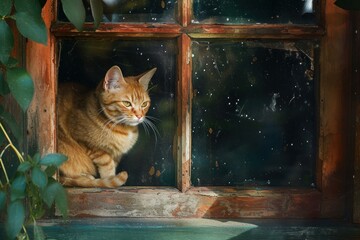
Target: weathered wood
<point>255,31</point>
<point>334,130</point>
<point>184,113</point>
<point>194,30</point>
<point>155,29</point>
<point>356,112</point>
<point>197,202</point>
<point>185,12</point>
<point>335,92</point>
<point>41,64</point>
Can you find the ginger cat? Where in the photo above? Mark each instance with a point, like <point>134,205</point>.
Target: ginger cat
<point>97,127</point>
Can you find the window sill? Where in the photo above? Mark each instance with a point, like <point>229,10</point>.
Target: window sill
<point>214,202</point>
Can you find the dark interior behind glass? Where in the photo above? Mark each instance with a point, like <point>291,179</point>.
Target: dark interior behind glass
<point>254,113</point>
<point>151,160</point>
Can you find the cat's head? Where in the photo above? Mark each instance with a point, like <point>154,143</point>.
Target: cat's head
<point>125,100</point>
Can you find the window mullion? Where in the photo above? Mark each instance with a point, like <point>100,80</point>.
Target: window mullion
<point>185,12</point>
<point>184,114</point>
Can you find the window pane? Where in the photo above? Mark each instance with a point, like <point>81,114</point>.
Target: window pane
<point>254,11</point>
<point>253,115</point>
<point>150,161</point>
<point>138,11</point>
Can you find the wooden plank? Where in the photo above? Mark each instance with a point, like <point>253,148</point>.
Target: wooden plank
<point>195,30</point>
<point>184,114</point>
<point>185,12</point>
<point>356,111</point>
<point>335,95</point>
<point>254,31</point>
<point>67,29</point>
<point>195,203</point>
<point>41,64</point>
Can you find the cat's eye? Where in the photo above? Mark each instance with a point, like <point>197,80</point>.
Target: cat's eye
<point>126,103</point>
<point>144,104</point>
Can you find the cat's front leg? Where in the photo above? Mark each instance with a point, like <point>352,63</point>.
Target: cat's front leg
<point>105,164</point>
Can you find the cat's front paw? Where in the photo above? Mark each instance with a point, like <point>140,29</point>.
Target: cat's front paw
<point>123,175</point>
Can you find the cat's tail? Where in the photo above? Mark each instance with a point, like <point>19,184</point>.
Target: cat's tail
<point>89,181</point>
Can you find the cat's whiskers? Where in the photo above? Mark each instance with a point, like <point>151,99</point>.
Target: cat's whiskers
<point>100,110</point>
<point>147,124</point>
<point>146,129</point>
<point>104,127</point>
<point>118,121</point>
<point>105,124</point>
<point>153,118</point>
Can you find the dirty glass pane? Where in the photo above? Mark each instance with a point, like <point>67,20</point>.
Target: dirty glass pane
<point>253,113</point>
<point>134,11</point>
<point>254,11</point>
<point>150,162</point>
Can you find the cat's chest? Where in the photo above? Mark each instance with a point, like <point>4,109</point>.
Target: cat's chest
<point>120,141</point>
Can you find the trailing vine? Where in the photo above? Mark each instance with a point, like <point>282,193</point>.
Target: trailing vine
<point>26,196</point>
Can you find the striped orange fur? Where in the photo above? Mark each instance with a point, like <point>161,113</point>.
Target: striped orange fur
<point>96,127</point>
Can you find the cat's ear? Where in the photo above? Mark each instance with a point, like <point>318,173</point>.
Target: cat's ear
<point>113,78</point>
<point>146,77</point>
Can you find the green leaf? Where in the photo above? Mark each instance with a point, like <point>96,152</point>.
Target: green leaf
<point>4,88</point>
<point>2,200</point>
<point>10,122</point>
<point>39,178</point>
<point>30,6</point>
<point>96,11</point>
<point>37,158</point>
<point>6,41</point>
<point>348,4</point>
<point>18,187</point>
<point>54,159</point>
<point>38,232</point>
<point>15,218</point>
<point>75,12</point>
<point>32,27</point>
<point>21,86</point>
<point>50,192</point>
<point>61,202</point>
<point>5,7</point>
<point>24,166</point>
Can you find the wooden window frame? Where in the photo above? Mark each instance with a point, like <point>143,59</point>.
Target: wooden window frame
<point>328,200</point>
